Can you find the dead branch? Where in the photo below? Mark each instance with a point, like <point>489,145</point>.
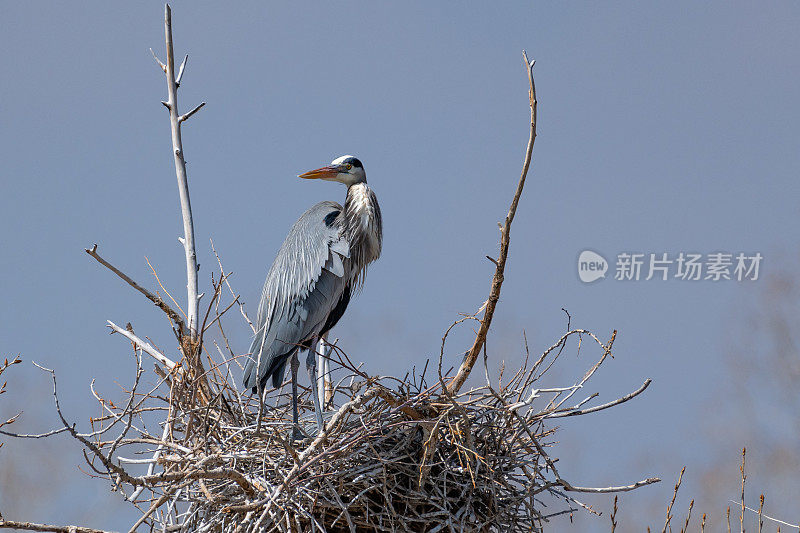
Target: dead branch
<point>175,120</point>
<point>157,300</point>
<point>146,347</point>
<point>505,232</point>
<point>672,502</point>
<point>601,490</point>
<point>761,514</point>
<point>30,526</point>
<point>596,408</point>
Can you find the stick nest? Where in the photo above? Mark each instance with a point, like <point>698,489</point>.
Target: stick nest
<point>396,454</point>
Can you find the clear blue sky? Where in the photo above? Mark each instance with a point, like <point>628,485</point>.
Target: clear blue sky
<point>663,128</point>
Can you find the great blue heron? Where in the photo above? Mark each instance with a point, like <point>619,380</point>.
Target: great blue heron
<point>320,264</point>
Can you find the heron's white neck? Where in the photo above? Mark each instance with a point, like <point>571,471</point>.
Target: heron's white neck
<point>363,225</point>
<point>359,202</point>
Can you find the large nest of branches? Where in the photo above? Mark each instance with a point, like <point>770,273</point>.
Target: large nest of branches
<point>433,451</point>
<point>396,455</point>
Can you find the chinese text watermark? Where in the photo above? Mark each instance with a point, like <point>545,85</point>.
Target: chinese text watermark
<point>684,266</point>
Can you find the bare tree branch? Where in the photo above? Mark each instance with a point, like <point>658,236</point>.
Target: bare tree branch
<point>185,117</point>
<point>160,303</point>
<point>146,347</point>
<point>30,526</point>
<point>179,77</point>
<point>596,408</point>
<point>505,231</point>
<point>160,64</point>
<point>183,184</point>
<point>600,490</point>
<point>760,513</point>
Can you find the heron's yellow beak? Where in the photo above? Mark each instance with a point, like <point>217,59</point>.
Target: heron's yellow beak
<point>321,173</point>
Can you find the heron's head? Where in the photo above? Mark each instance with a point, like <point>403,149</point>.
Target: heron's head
<point>346,169</point>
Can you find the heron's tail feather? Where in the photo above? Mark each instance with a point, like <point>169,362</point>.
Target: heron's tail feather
<point>250,371</point>
<point>277,375</point>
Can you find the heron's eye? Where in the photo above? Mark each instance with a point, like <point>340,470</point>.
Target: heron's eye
<point>348,166</point>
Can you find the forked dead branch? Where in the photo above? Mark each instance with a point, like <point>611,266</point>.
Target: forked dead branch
<point>423,452</point>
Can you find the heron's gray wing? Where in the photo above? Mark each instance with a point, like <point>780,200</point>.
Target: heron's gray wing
<point>303,285</point>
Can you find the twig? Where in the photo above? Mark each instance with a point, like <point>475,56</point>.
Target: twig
<point>145,346</point>
<point>30,526</point>
<point>183,185</point>
<point>187,116</point>
<point>614,516</point>
<point>505,231</point>
<point>155,505</point>
<point>761,513</point>
<point>160,63</point>
<point>776,520</point>
<point>672,502</point>
<point>241,304</point>
<point>600,490</point>
<point>160,303</point>
<point>603,406</point>
<point>685,527</point>
<point>741,469</point>
<point>179,77</point>
<point>151,467</point>
<point>158,280</point>
<point>28,435</point>
<point>110,466</point>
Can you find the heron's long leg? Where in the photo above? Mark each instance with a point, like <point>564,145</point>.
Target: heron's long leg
<point>294,364</point>
<point>326,372</point>
<point>322,370</point>
<point>311,366</point>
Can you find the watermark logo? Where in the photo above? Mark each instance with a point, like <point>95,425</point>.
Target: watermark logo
<point>683,266</point>
<point>591,266</point>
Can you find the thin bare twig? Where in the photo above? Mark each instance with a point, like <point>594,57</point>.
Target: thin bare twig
<point>744,477</point>
<point>30,526</point>
<point>505,231</point>
<point>596,408</point>
<point>145,346</point>
<point>761,514</point>
<point>601,490</point>
<point>614,516</point>
<point>187,116</point>
<point>672,502</point>
<point>160,303</point>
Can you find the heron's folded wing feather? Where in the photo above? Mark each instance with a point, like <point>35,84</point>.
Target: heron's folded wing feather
<point>306,278</point>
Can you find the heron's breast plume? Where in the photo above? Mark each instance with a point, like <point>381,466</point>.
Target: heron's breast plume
<point>363,224</point>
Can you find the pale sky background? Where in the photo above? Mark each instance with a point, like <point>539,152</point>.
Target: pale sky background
<point>663,128</point>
